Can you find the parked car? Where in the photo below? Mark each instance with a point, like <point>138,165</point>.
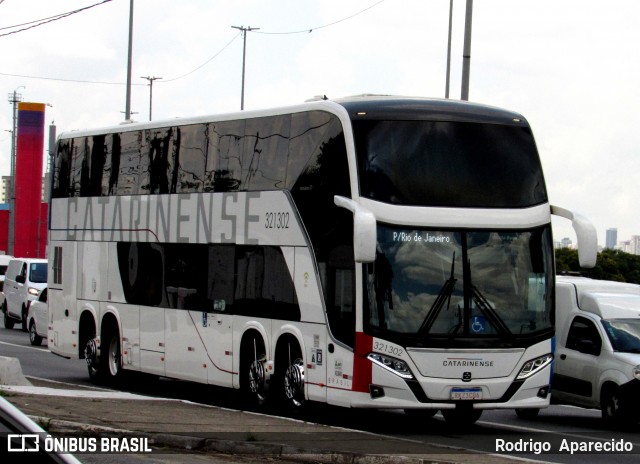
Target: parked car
<point>24,280</point>
<point>38,319</point>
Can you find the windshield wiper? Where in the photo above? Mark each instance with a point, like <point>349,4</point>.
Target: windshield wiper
<point>485,308</point>
<point>444,296</point>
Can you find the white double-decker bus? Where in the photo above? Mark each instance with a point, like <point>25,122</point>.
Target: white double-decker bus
<point>371,252</point>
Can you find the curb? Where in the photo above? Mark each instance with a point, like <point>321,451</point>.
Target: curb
<point>11,372</point>
<point>177,443</point>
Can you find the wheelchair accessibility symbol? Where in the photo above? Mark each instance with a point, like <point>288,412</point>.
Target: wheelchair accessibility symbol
<point>478,324</point>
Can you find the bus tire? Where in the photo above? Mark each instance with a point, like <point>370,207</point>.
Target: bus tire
<point>253,383</point>
<point>111,360</point>
<point>93,362</point>
<point>290,374</point>
<point>527,413</point>
<point>420,413</point>
<point>461,416</point>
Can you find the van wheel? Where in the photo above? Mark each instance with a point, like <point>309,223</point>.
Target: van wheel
<point>612,412</point>
<point>8,322</point>
<point>25,327</point>
<point>34,338</point>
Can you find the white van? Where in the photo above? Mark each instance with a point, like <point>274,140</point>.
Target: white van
<point>4,263</point>
<point>597,363</point>
<point>24,280</point>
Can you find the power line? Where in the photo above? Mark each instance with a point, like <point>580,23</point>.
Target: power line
<point>40,22</point>
<point>206,62</point>
<point>193,70</point>
<point>24,76</point>
<point>311,29</point>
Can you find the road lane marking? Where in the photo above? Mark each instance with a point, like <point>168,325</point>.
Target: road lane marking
<point>44,350</point>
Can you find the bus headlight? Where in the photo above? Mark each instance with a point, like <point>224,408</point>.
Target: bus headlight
<point>33,291</point>
<point>397,366</point>
<point>636,372</point>
<point>533,366</point>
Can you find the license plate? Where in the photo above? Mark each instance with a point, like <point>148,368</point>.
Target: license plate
<point>466,393</point>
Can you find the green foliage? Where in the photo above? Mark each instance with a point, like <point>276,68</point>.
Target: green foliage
<point>611,265</point>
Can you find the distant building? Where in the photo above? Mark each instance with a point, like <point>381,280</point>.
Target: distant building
<point>612,238</point>
<point>565,243</point>
<point>5,188</point>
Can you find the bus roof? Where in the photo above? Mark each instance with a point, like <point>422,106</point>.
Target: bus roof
<point>360,107</point>
<point>414,108</point>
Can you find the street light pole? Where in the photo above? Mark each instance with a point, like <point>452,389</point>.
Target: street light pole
<point>244,56</point>
<point>150,79</point>
<point>466,53</point>
<point>446,90</point>
<point>127,107</point>
<point>14,98</point>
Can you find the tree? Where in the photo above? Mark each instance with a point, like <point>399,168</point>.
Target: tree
<point>611,265</point>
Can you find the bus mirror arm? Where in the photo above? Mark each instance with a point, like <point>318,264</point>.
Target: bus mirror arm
<point>364,229</point>
<point>585,233</point>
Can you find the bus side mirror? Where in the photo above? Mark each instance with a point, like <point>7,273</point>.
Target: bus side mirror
<point>586,234</point>
<point>364,230</point>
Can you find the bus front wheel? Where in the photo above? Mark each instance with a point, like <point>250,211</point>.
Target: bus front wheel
<point>461,416</point>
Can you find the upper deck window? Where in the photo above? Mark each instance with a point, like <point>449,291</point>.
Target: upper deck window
<point>448,164</point>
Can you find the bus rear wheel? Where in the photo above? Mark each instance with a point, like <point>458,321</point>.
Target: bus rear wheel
<point>253,381</point>
<point>290,372</point>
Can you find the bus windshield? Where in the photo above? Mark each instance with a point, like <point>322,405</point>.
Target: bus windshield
<point>433,284</point>
<point>448,164</point>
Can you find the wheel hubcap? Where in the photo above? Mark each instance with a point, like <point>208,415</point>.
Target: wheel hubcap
<point>294,382</point>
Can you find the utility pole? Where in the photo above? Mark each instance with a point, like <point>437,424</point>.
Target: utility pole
<point>244,55</point>
<point>150,79</point>
<point>446,90</point>
<point>14,99</point>
<point>127,107</point>
<point>466,54</point>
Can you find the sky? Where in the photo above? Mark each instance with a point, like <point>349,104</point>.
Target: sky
<point>571,68</point>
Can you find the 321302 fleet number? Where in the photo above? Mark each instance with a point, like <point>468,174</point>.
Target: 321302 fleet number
<point>389,349</point>
<point>275,220</point>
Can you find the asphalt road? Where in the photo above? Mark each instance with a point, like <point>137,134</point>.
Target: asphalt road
<point>553,425</point>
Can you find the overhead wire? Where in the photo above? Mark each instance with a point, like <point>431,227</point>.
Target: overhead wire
<point>41,22</point>
<point>309,30</point>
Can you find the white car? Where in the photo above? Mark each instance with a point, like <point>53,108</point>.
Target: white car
<point>24,279</point>
<point>597,362</point>
<point>38,319</point>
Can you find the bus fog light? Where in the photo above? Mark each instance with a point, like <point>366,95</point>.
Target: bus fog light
<point>375,391</point>
<point>543,392</point>
<point>534,365</point>
<point>397,366</point>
